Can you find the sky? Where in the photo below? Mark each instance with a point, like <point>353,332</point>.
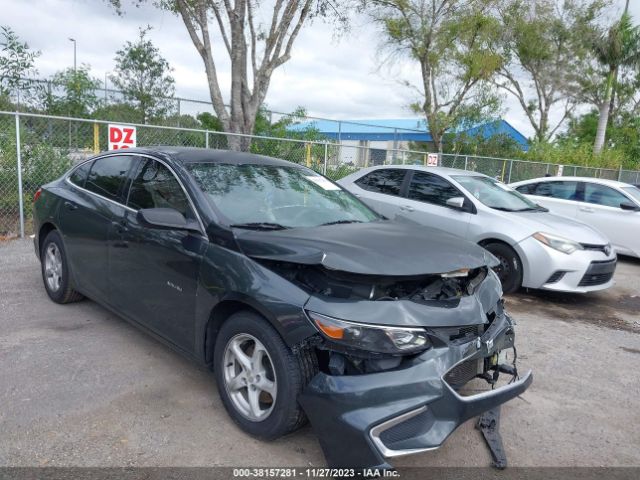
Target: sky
<point>330,75</point>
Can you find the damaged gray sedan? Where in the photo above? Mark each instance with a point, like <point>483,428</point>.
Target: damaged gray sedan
<point>304,302</point>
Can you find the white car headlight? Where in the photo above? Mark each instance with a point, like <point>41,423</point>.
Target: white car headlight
<point>561,244</point>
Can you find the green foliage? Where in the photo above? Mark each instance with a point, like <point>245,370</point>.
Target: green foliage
<point>144,76</point>
<point>79,93</point>
<point>118,112</point>
<point>17,62</point>
<point>452,43</point>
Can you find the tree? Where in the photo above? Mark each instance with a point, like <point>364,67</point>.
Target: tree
<point>451,40</point>
<point>544,50</point>
<point>17,62</point>
<point>616,48</point>
<point>143,75</point>
<point>254,48</point>
<point>77,97</point>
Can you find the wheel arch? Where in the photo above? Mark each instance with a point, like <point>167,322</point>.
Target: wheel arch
<point>45,229</point>
<point>223,310</point>
<point>518,251</point>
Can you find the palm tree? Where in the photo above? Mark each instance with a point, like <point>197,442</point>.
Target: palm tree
<point>618,47</point>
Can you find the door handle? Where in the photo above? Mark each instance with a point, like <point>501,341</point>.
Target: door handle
<point>407,208</point>
<point>70,206</point>
<point>587,209</point>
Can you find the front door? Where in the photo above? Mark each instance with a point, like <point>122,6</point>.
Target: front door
<point>426,203</point>
<point>154,272</point>
<point>601,210</point>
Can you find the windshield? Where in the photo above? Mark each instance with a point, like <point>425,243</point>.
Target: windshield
<point>495,194</point>
<point>634,192</point>
<point>273,197</point>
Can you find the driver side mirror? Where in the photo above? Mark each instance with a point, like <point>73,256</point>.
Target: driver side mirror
<point>629,206</point>
<point>166,218</point>
<point>456,202</point>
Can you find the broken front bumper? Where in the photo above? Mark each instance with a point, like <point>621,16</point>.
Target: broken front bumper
<point>363,419</point>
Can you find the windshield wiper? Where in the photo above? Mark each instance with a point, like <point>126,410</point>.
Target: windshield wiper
<point>259,226</point>
<point>338,222</point>
<point>505,209</point>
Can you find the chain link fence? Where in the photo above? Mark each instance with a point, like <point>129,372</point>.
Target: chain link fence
<point>36,149</point>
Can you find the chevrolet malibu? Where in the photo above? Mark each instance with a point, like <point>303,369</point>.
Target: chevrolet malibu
<point>536,249</point>
<point>304,302</point>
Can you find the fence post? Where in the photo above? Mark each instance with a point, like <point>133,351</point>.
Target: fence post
<point>96,138</point>
<point>206,139</point>
<point>326,158</point>
<point>19,166</point>
<point>466,161</point>
<point>620,174</point>
<point>510,169</point>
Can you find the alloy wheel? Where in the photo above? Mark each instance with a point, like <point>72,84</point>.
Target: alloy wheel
<point>53,267</point>
<point>249,377</point>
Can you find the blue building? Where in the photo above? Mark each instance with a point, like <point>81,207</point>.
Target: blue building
<point>380,137</point>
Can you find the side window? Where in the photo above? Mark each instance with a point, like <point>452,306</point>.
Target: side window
<point>429,188</point>
<point>564,190</point>
<point>107,175</point>
<point>385,180</point>
<point>528,189</point>
<point>155,186</point>
<point>603,195</point>
<point>79,175</point>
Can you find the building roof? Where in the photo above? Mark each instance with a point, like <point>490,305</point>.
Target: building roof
<point>401,129</point>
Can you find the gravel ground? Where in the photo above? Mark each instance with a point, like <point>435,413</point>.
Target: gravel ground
<point>81,387</point>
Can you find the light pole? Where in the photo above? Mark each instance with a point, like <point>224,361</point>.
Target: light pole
<point>74,53</point>
<point>105,86</point>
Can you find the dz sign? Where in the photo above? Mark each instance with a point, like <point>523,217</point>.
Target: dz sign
<point>121,136</point>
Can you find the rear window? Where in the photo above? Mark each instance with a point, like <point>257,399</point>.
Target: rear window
<point>107,176</point>
<point>527,189</point>
<point>79,175</point>
<point>387,180</point>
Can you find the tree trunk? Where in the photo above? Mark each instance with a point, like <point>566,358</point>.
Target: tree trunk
<point>602,126</point>
<point>603,117</point>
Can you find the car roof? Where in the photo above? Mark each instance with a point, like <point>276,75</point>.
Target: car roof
<point>601,181</point>
<point>436,170</point>
<point>186,155</point>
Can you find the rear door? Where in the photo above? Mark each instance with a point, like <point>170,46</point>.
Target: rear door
<point>601,209</point>
<point>382,189</point>
<point>559,196</point>
<point>426,203</point>
<point>85,216</point>
<point>154,272</point>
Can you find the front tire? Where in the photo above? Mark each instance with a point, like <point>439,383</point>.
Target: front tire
<point>259,378</point>
<point>510,269</point>
<point>55,270</point>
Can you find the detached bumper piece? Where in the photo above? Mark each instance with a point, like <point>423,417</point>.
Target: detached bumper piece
<point>363,420</point>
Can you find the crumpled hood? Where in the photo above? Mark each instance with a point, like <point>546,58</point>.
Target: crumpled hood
<point>374,248</point>
<point>558,225</point>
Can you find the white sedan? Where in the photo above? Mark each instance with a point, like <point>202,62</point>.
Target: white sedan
<point>611,207</point>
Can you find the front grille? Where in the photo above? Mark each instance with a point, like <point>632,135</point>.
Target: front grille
<point>556,277</point>
<point>596,279</point>
<point>598,273</point>
<point>411,428</point>
<point>470,331</point>
<point>462,373</point>
<point>596,248</point>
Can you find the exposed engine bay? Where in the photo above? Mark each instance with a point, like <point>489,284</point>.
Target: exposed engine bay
<point>318,279</point>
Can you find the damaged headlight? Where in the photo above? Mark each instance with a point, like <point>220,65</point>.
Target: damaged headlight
<point>561,244</point>
<point>372,338</point>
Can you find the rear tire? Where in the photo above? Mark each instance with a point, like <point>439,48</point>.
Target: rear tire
<point>55,270</point>
<point>510,269</point>
<point>275,368</point>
